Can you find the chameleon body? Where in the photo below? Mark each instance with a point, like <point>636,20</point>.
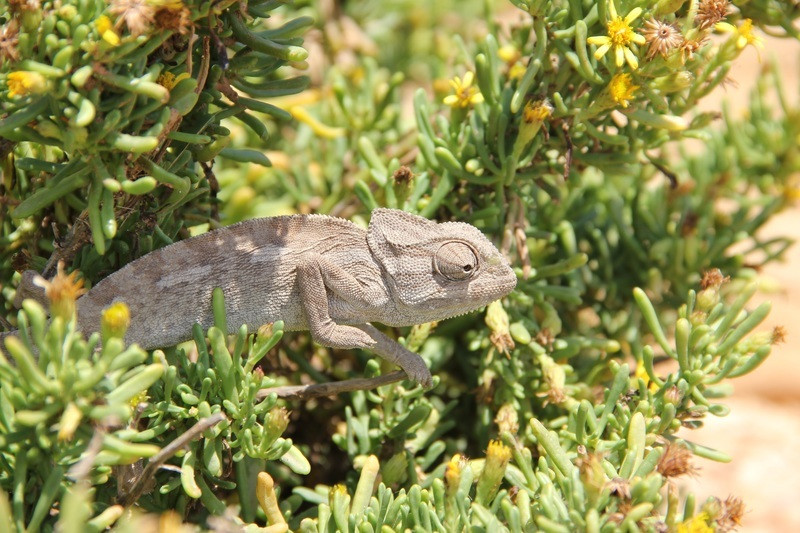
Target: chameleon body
<point>313,272</point>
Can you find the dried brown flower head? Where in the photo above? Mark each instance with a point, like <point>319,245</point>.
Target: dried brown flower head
<point>662,37</point>
<point>731,514</point>
<point>676,461</point>
<point>507,419</point>
<point>177,19</point>
<point>24,5</point>
<point>545,338</point>
<point>778,335</point>
<point>591,469</point>
<point>712,279</point>
<point>9,38</point>
<point>502,341</point>
<point>620,487</point>
<point>690,46</point>
<point>138,15</point>
<point>673,395</point>
<point>403,175</point>
<point>709,12</point>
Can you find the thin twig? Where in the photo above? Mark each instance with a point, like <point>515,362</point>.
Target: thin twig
<point>167,452</point>
<point>569,151</point>
<point>302,392</point>
<point>78,236</point>
<point>81,469</point>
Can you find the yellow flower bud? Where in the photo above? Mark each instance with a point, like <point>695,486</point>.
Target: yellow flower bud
<point>497,457</point>
<point>115,321</point>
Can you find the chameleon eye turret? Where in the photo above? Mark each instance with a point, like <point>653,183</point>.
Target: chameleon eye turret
<point>456,261</point>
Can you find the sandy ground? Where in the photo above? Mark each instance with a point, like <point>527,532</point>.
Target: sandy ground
<point>762,432</point>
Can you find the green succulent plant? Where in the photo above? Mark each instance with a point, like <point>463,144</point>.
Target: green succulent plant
<point>567,131</point>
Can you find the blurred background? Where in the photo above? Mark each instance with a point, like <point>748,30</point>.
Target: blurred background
<point>762,432</point>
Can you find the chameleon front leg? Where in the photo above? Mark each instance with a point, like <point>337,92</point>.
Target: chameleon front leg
<point>412,364</point>
<point>315,275</point>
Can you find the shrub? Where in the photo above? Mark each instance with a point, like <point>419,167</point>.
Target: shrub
<point>567,133</point>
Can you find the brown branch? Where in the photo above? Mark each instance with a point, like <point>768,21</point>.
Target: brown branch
<point>166,453</point>
<point>80,470</point>
<point>302,392</point>
<point>78,236</point>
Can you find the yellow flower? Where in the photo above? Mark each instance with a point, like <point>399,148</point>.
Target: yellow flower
<point>621,89</point>
<point>516,71</point>
<point>696,524</point>
<point>115,320</point>
<point>168,80</point>
<point>509,54</point>
<point>537,111</point>
<point>534,114</point>
<point>743,34</point>
<point>620,36</point>
<point>494,468</point>
<point>106,31</point>
<point>24,82</point>
<point>136,399</point>
<point>452,474</point>
<point>465,94</point>
<point>641,373</point>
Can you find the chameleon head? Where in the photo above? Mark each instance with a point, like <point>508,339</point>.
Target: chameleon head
<point>435,271</point>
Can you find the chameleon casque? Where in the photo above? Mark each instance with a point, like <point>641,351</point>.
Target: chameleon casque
<point>314,272</point>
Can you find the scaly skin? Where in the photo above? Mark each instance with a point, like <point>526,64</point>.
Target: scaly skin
<point>314,272</point>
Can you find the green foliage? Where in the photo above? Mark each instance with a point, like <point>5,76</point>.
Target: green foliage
<point>118,129</point>
<point>594,170</point>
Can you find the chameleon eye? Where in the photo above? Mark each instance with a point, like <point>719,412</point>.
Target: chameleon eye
<point>456,261</point>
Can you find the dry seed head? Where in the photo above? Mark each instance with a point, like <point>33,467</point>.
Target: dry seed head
<point>713,279</point>
<point>709,12</point>
<point>620,487</point>
<point>673,395</point>
<point>9,39</point>
<point>690,46</point>
<point>732,510</point>
<point>177,19</point>
<point>661,37</point>
<point>403,175</point>
<point>591,469</point>
<point>24,5</point>
<point>778,335</point>
<point>138,15</point>
<point>497,320</point>
<point>507,419</point>
<point>676,461</point>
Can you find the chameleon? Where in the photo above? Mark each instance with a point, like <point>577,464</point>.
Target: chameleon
<point>314,272</point>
